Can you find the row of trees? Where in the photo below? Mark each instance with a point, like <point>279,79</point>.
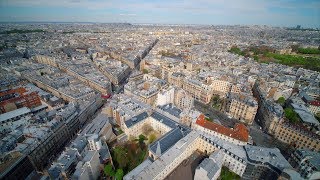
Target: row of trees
<point>296,48</point>
<point>22,31</point>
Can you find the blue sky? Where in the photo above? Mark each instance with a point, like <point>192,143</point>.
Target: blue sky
<point>261,12</point>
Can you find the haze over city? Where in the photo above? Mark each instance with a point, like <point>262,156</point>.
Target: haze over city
<point>218,12</point>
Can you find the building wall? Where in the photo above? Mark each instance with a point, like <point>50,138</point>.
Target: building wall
<point>49,147</point>
<point>314,109</point>
<point>178,160</point>
<point>165,97</point>
<point>242,111</point>
<point>303,166</point>
<point>220,87</point>
<point>234,163</point>
<point>298,138</point>
<point>182,100</point>
<point>20,171</point>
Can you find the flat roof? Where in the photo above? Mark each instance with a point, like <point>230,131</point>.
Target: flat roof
<point>14,113</point>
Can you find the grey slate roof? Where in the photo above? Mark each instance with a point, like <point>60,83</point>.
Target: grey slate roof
<point>136,119</point>
<point>314,157</point>
<point>168,140</point>
<point>171,109</point>
<point>164,119</point>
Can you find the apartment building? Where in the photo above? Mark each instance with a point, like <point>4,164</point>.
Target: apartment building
<point>176,79</point>
<point>242,107</point>
<point>88,168</point>
<point>219,87</point>
<point>176,96</point>
<point>269,114</point>
<point>146,90</point>
<point>238,135</point>
<point>198,90</point>
<point>210,168</point>
<point>183,100</point>
<point>11,120</point>
<point>297,136</point>
<point>123,107</point>
<point>18,98</point>
<point>307,163</point>
<point>113,69</point>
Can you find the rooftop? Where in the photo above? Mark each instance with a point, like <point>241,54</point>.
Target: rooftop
<point>136,119</point>
<point>313,157</point>
<point>240,132</point>
<point>271,156</point>
<point>168,140</point>
<point>14,113</point>
<point>171,109</point>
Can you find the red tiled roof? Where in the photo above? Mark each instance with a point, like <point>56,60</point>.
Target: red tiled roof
<point>240,131</point>
<point>315,103</point>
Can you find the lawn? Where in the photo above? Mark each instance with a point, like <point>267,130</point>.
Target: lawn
<point>228,175</point>
<point>305,58</point>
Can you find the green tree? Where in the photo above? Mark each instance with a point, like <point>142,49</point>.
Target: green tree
<point>121,156</point>
<point>108,170</point>
<point>141,138</point>
<point>145,71</point>
<point>295,47</point>
<point>119,174</point>
<point>281,101</point>
<point>215,99</point>
<point>291,115</point>
<point>152,138</point>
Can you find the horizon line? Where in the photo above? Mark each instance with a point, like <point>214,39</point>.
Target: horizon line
<point>92,22</point>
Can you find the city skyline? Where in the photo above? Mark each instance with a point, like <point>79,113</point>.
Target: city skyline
<point>253,12</point>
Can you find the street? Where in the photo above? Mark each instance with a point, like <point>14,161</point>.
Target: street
<point>215,114</point>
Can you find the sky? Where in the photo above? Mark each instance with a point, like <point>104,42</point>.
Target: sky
<point>289,13</point>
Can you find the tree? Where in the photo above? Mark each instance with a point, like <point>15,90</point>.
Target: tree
<point>121,156</point>
<point>145,71</point>
<point>291,115</point>
<point>215,99</point>
<point>295,47</point>
<point>141,138</point>
<point>146,129</point>
<point>152,138</point>
<point>119,174</point>
<point>281,101</point>
<point>108,170</point>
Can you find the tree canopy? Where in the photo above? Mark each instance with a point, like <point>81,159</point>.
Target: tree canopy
<point>108,170</point>
<point>291,115</point>
<point>119,174</point>
<point>281,101</point>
